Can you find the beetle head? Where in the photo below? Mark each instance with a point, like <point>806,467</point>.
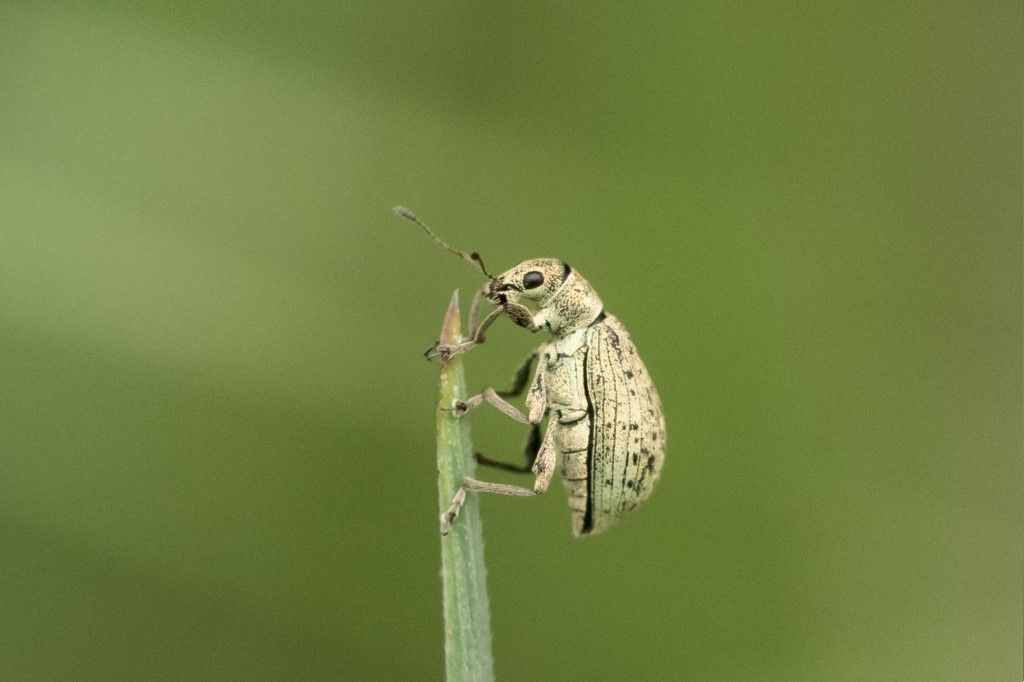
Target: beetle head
<point>534,280</point>
<point>565,300</point>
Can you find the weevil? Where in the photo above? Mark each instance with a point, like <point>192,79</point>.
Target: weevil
<point>605,426</point>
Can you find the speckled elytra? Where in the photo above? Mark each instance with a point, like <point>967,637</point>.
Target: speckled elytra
<point>605,426</point>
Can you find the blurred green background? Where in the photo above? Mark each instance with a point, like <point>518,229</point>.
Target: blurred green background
<point>216,427</point>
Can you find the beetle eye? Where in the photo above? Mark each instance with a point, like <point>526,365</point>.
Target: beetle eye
<point>532,279</point>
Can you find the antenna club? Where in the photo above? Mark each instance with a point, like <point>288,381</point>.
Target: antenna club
<point>404,212</point>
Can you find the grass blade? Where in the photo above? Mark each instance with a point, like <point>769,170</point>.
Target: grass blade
<point>467,615</point>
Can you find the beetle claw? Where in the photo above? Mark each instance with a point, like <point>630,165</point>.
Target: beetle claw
<point>438,350</point>
<point>447,519</point>
<point>445,353</point>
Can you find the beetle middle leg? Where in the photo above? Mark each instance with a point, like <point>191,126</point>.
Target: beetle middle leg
<point>530,451</point>
<point>519,383</point>
<point>461,407</point>
<point>522,378</point>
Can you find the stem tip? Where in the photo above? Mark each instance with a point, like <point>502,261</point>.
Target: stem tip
<point>451,328</point>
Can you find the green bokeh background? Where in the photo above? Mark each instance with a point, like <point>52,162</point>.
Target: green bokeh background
<point>216,428</point>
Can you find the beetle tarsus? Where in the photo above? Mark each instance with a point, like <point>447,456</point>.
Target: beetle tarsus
<point>452,513</point>
<point>446,353</point>
<point>438,350</point>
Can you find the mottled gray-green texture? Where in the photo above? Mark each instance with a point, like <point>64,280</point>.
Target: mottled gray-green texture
<point>217,428</point>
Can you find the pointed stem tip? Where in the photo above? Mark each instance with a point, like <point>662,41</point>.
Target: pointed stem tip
<point>451,327</point>
<point>463,574</point>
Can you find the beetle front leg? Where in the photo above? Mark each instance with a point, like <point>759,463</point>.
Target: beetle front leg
<point>474,307</point>
<point>522,316</point>
<point>446,352</point>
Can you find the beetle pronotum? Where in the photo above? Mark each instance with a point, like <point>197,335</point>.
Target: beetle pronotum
<point>605,425</point>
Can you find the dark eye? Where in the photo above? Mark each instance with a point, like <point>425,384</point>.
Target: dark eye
<point>532,279</point>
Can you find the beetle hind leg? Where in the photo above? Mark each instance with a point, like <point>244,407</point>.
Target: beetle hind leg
<point>544,467</point>
<point>473,485</point>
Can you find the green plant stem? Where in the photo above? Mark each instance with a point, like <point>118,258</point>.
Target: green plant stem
<point>467,615</point>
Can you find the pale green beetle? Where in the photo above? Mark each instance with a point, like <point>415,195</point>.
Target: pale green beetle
<point>605,428</point>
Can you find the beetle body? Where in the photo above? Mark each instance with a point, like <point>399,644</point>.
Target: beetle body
<point>605,424</point>
<point>606,430</point>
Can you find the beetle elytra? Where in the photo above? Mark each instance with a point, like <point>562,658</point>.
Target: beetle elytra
<point>605,429</point>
